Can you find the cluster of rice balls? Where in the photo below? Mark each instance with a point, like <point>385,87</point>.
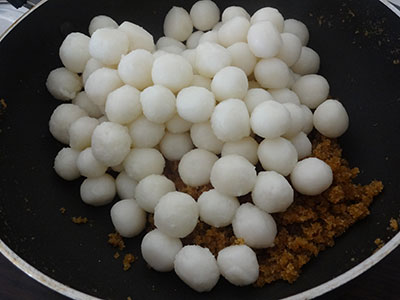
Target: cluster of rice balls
<point>200,102</point>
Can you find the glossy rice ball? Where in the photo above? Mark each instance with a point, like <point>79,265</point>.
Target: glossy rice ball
<point>331,119</point>
<point>302,144</point>
<point>209,36</point>
<point>234,11</point>
<point>233,175</point>
<point>284,95</point>
<point>175,145</point>
<point>128,218</point>
<point>269,14</point>
<point>272,73</point>
<point>190,56</point>
<point>203,137</point>
<point>80,132</point>
<point>158,104</point>
<point>242,57</point>
<point>264,39</point>
<point>308,62</point>
<point>178,24</point>
<point>138,37</point>
<point>290,50</point>
<point>63,84</point>
<point>101,21</point>
<point>142,162</point>
<point>195,104</point>
<point>88,165</point>
<point>146,134</point>
<point>197,267</point>
<point>74,52</point>
<point>230,82</point>
<point>166,43</point>
<point>178,125</point>
<point>91,66</point>
<point>247,218</point>
<point>217,209</point>
<point>159,250</point>
<point>83,101</point>
<point>297,119</point>
<point>150,189</point>
<point>201,81</point>
<point>193,40</point>
<point>65,164</point>
<point>210,58</point>
<point>205,14</point>
<point>255,96</point>
<point>176,214</point>
<point>297,28</point>
<point>126,186</point>
<point>312,90</point>
<point>233,31</point>
<point>98,191</point>
<point>311,176</point>
<point>246,147</point>
<point>123,105</point>
<point>308,119</point>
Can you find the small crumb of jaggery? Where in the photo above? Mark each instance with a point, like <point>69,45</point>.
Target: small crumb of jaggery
<point>115,240</point>
<point>128,260</point>
<point>63,210</point>
<point>79,220</point>
<point>116,255</point>
<point>128,298</point>
<point>379,244</point>
<point>394,224</point>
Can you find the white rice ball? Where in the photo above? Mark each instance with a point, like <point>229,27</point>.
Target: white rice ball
<point>201,81</point>
<point>175,145</point>
<point>74,51</point>
<point>98,191</point>
<point>80,132</point>
<point>126,186</point>
<point>302,144</point>
<point>83,101</point>
<point>203,137</point>
<point>110,143</point>
<point>217,209</point>
<point>210,58</point>
<point>100,83</point>
<point>62,118</point>
<point>197,267</point>
<point>312,90</point>
<point>135,68</point>
<point>256,96</point>
<point>63,84</point>
<point>233,175</point>
<point>217,26</point>
<point>123,105</point>
<point>230,120</point>
<point>297,28</point>
<point>178,24</point>
<point>233,31</point>
<point>269,14</point>
<point>91,66</point>
<point>65,164</point>
<point>138,37</point>
<point>193,40</point>
<point>277,155</point>
<point>230,82</point>
<point>242,57</point>
<point>331,119</point>
<point>272,192</point>
<point>205,14</point>
<point>238,264</point>
<point>178,125</point>
<point>128,218</point>
<point>246,147</point>
<point>108,45</point>
<point>150,189</point>
<point>255,226</point>
<point>158,104</point>
<point>272,73</point>
<point>101,21</point>
<point>284,95</point>
<point>190,56</point>
<point>195,167</point>
<point>308,119</point>
<point>169,64</point>
<point>142,162</point>
<point>209,36</point>
<point>159,250</point>
<point>165,43</point>
<point>176,214</point>
<point>146,134</point>
<point>270,119</point>
<point>308,62</point>
<point>297,119</point>
<point>88,165</point>
<point>311,176</point>
<point>234,11</point>
<point>264,39</point>
<point>290,50</point>
<point>195,104</point>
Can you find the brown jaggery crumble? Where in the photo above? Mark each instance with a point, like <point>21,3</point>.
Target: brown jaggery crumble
<point>394,225</point>
<point>116,255</point>
<point>116,240</point>
<point>128,298</point>
<point>63,210</point>
<point>79,220</point>
<point>128,260</point>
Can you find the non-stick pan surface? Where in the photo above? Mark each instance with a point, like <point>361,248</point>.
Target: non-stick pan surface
<point>358,41</point>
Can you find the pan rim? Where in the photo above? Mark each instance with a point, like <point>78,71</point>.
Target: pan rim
<point>314,292</point>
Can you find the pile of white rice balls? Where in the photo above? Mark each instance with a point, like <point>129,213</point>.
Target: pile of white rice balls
<point>199,95</point>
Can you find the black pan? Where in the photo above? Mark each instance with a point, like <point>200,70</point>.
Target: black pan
<point>359,45</point>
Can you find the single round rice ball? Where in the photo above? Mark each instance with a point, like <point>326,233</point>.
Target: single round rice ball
<point>108,45</point>
<point>272,192</point>
<point>277,155</point>
<point>205,14</point>
<point>242,57</point>
<point>308,62</point>
<point>312,90</point>
<point>159,250</point>
<point>91,66</point>
<point>246,147</point>
<point>302,144</point>
<point>264,39</point>
<point>88,165</point>
<point>174,145</point>
<point>217,26</point>
<point>269,14</point>
<point>83,101</point>
<point>195,167</point>
<point>255,226</point>
<point>135,68</point>
<point>74,51</point>
<point>233,31</point>
<point>195,104</point>
<point>201,81</point>
<point>128,218</point>
<point>290,50</point>
<point>63,84</point>
<point>234,11</point>
<point>139,38</point>
<point>80,132</point>
<point>297,119</point>
<point>270,119</point>
<point>233,175</point>
<point>176,214</point>
<point>126,186</point>
<point>311,176</point>
<point>272,73</point>
<point>111,143</point>
<point>238,264</point>
<point>203,137</point>
<point>150,189</point>
<point>65,164</point>
<point>230,120</point>
<point>209,36</point>
<point>217,209</point>
<point>123,105</point>
<point>146,134</point>
<point>331,119</point>
<point>190,56</point>
<point>142,162</point>
<point>193,40</point>
<point>101,21</point>
<point>308,119</point>
<point>62,118</point>
<point>158,104</point>
<point>165,43</point>
<point>210,58</point>
<point>178,24</point>
<point>284,95</point>
<point>297,28</point>
<point>197,267</point>
<point>230,82</point>
<point>256,96</point>
<point>178,125</point>
<point>98,191</point>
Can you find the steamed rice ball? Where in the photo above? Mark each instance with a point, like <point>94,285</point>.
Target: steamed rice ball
<point>91,66</point>
<point>142,162</point>
<point>308,62</point>
<point>201,81</point>
<point>80,132</point>
<point>146,134</point>
<point>297,119</point>
<point>233,31</point>
<point>269,14</point>
<point>63,84</point>
<point>193,40</point>
<point>297,28</point>
<point>204,14</point>
<point>246,147</point>
<point>178,24</point>
<point>284,95</point>
<point>255,96</point>
<point>101,21</point>
<point>203,137</point>
<point>290,50</point>
<point>74,52</point>
<point>65,164</point>
<point>234,11</point>
<point>264,39</point>
<point>230,82</point>
<point>126,186</point>
<point>123,105</point>
<point>302,144</point>
<point>331,119</point>
<point>272,73</point>
<point>83,101</point>
<point>128,218</point>
<point>195,104</point>
<point>210,58</point>
<point>174,145</point>
<point>158,104</point>
<point>88,165</point>
<point>178,125</point>
<point>139,38</point>
<point>312,90</point>
<point>98,191</point>
<point>242,57</point>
